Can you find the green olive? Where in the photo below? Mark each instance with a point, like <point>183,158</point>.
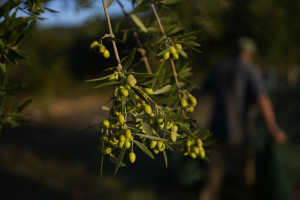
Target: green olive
<point>148,90</point>
<point>93,45</point>
<point>173,136</point>
<point>178,46</point>
<point>116,113</point>
<point>128,134</point>
<point>147,109</point>
<point>175,56</point>
<point>167,55</point>
<point>102,150</point>
<point>193,155</point>
<point>121,119</point>
<point>104,124</point>
<point>113,77</point>
<point>116,92</point>
<point>156,151</point>
<point>120,144</point>
<point>193,101</point>
<point>122,138</point>
<point>182,146</point>
<point>152,143</point>
<point>118,134</point>
<point>199,143</point>
<point>152,119</point>
<point>102,49</point>
<point>159,118</point>
<point>132,157</point>
<point>201,152</point>
<point>128,144</point>
<point>124,92</point>
<point>196,149</point>
<point>188,143</point>
<point>131,81</point>
<point>174,128</point>
<point>102,139</point>
<point>129,107</point>
<point>106,54</point>
<point>127,87</point>
<point>169,125</point>
<point>136,97</point>
<point>159,145</point>
<point>183,102</point>
<point>185,153</point>
<point>113,121</point>
<point>172,50</point>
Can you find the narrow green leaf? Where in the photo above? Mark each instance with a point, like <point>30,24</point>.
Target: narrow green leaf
<point>166,159</point>
<point>206,159</point>
<point>169,1</point>
<point>168,100</point>
<point>101,166</point>
<point>24,105</point>
<point>177,33</point>
<point>191,43</point>
<point>183,53</point>
<point>124,58</point>
<point>117,26</point>
<point>147,128</point>
<point>139,9</point>
<point>128,61</point>
<point>169,147</point>
<point>138,22</point>
<point>186,130</point>
<point>193,48</point>
<point>163,90</point>
<point>190,120</point>
<point>99,79</point>
<point>164,51</point>
<point>135,130</point>
<point>114,39</point>
<point>140,95</point>
<point>144,149</point>
<point>106,84</point>
<point>205,136</point>
<point>132,96</point>
<point>53,11</point>
<point>132,122</point>
<point>105,108</point>
<point>123,103</point>
<point>177,116</point>
<point>4,100</point>
<point>114,160</point>
<point>85,128</point>
<point>151,137</point>
<point>120,158</point>
<point>142,74</point>
<point>109,3</point>
<point>124,36</point>
<point>209,142</point>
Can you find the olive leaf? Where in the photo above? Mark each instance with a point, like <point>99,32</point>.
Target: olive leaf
<point>144,149</point>
<point>191,43</point>
<point>113,39</point>
<point>142,74</point>
<point>139,9</point>
<point>123,103</point>
<point>168,100</point>
<point>193,48</point>
<point>24,105</point>
<point>147,128</point>
<point>209,142</point>
<point>99,79</point>
<point>165,157</point>
<point>138,22</point>
<point>189,120</point>
<point>132,96</point>
<point>105,108</point>
<point>186,130</point>
<point>101,166</point>
<point>109,3</point>
<point>114,160</point>
<point>106,84</point>
<point>140,95</point>
<point>151,137</point>
<point>164,51</point>
<point>120,157</point>
<point>183,53</point>
<point>128,61</point>
<point>169,1</point>
<point>163,90</point>
<point>85,128</point>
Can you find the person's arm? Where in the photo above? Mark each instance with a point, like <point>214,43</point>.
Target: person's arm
<point>267,111</point>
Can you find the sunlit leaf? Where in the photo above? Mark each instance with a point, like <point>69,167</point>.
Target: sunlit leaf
<point>151,137</point>
<point>128,61</point>
<point>165,157</point>
<point>120,157</point>
<point>144,149</point>
<point>99,79</point>
<point>105,108</point>
<point>164,51</point>
<point>106,84</point>
<point>163,90</point>
<point>147,128</point>
<point>138,22</point>
<point>183,53</point>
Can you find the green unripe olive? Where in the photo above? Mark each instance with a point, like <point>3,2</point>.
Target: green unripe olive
<point>183,102</point>
<point>120,144</point>
<point>167,55</point>
<point>102,49</point>
<point>106,54</point>
<point>132,157</point>
<point>164,146</point>
<point>156,151</point>
<point>116,113</point>
<point>104,124</point>
<point>152,143</point>
<point>121,118</point>
<point>129,107</point>
<point>185,153</point>
<point>201,152</point>
<point>199,143</point>
<point>147,109</point>
<point>124,92</point>
<point>102,150</point>
<point>128,134</point>
<point>196,150</point>
<point>115,94</point>
<point>96,49</point>
<point>162,126</point>
<point>148,90</point>
<point>136,97</point>
<point>131,81</point>
<point>118,134</point>
<point>140,103</point>
<point>173,136</point>
<point>113,77</point>
<point>122,138</point>
<point>175,56</point>
<point>93,45</point>
<point>193,101</point>
<point>143,139</point>
<point>102,139</point>
<point>162,59</point>
<point>159,145</point>
<point>193,155</point>
<point>152,119</point>
<point>128,144</point>
<point>174,128</point>
<point>159,118</point>
<point>178,46</point>
<point>188,143</point>
<point>182,146</point>
<point>145,143</point>
<point>172,50</point>
<point>127,87</point>
<point>169,124</point>
<point>122,127</point>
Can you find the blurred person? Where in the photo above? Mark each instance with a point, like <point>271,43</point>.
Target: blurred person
<point>235,85</point>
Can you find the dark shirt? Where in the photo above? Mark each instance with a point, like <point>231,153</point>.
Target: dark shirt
<point>235,84</point>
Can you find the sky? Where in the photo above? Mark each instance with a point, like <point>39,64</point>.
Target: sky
<point>69,17</point>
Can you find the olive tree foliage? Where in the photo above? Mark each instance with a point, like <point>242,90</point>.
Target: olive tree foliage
<point>149,110</point>
<point>14,31</point>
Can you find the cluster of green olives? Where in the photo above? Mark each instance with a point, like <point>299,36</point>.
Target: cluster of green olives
<point>99,49</point>
<point>192,148</point>
<point>173,52</point>
<point>188,102</point>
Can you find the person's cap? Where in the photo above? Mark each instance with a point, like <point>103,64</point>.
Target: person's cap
<point>245,44</point>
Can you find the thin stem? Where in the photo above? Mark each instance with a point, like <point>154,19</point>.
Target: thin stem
<point>158,20</point>
<point>112,35</point>
<point>138,41</point>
